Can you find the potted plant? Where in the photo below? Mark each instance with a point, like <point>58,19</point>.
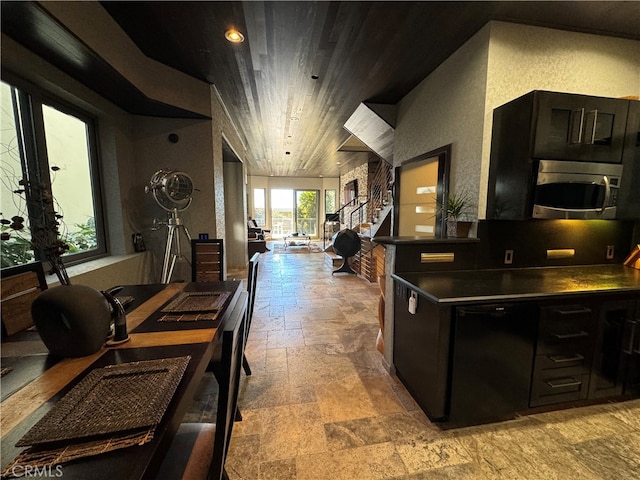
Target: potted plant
<point>72,320</point>
<point>455,209</point>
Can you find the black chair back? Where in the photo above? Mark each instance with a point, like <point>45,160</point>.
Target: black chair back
<point>233,338</point>
<point>252,281</point>
<point>207,260</point>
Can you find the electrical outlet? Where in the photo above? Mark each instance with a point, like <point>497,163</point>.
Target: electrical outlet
<point>508,257</point>
<point>610,252</point>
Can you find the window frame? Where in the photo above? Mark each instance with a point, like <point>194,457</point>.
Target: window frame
<point>31,99</point>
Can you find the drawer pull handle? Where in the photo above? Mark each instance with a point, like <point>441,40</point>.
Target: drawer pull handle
<point>564,336</point>
<point>563,359</point>
<point>632,335</point>
<point>564,382</point>
<point>573,311</point>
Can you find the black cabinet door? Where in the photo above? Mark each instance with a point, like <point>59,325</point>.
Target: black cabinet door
<point>628,198</point>
<point>616,365</point>
<point>492,361</point>
<point>607,375</point>
<point>421,350</point>
<point>631,351</point>
<point>580,127</point>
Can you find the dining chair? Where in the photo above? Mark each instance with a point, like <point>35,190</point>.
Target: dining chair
<point>19,287</point>
<point>252,281</point>
<point>207,260</point>
<point>199,450</point>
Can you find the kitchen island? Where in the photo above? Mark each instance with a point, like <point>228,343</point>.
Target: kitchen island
<point>485,345</point>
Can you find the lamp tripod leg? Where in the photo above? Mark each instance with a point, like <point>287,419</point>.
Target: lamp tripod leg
<point>167,264</point>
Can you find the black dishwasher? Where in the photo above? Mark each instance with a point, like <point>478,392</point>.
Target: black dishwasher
<point>492,360</point>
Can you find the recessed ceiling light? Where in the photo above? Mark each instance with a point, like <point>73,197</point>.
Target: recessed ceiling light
<point>287,153</point>
<point>315,77</point>
<point>234,36</point>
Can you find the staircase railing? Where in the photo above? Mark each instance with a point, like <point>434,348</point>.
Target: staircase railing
<point>367,211</point>
<point>379,190</point>
<point>337,216</point>
<point>361,214</point>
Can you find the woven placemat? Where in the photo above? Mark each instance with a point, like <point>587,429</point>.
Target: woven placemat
<point>112,399</point>
<point>188,317</point>
<point>37,457</point>
<point>197,302</point>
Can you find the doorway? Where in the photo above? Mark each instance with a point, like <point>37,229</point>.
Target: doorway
<point>422,185</point>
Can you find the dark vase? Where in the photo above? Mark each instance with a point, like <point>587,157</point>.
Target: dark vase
<point>72,320</point>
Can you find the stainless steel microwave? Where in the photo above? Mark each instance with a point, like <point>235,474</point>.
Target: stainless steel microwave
<point>576,190</point>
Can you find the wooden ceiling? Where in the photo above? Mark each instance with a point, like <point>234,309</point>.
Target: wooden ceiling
<point>304,67</point>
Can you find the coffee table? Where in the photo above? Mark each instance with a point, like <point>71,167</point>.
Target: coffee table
<point>297,240</point>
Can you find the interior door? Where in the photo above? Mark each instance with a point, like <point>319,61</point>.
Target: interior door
<point>418,195</point>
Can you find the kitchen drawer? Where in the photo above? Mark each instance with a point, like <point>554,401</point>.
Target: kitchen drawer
<point>563,387</point>
<point>578,361</point>
<point>565,328</point>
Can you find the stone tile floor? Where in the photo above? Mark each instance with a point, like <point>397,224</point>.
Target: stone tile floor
<point>320,405</point>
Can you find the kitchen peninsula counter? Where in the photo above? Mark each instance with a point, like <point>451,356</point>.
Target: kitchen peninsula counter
<point>460,287</point>
<point>475,346</point>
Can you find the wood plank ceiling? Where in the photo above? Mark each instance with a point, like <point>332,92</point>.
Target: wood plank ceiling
<point>304,67</point>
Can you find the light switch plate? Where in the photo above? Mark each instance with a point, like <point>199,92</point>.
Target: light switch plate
<point>611,250</point>
<point>508,257</point>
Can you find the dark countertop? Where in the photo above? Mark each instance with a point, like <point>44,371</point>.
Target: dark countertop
<point>522,283</point>
<point>408,240</point>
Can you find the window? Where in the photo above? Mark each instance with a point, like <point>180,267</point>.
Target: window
<point>330,204</point>
<point>294,211</point>
<point>259,211</point>
<point>52,146</point>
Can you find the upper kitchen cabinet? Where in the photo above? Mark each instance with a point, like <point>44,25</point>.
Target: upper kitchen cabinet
<point>578,127</point>
<point>629,200</point>
<point>561,155</point>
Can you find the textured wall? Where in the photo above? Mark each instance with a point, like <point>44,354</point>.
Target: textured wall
<point>192,155</point>
<point>361,174</point>
<point>447,108</point>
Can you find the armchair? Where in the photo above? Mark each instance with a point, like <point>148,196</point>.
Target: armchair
<point>256,232</point>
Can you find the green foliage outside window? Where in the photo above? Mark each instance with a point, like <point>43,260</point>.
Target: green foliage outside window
<point>17,250</point>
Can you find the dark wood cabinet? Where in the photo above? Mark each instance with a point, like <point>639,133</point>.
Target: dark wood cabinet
<point>616,365</point>
<point>566,335</point>
<point>421,345</point>
<point>578,127</point>
<point>544,125</point>
<point>628,199</point>
<point>469,363</point>
<point>491,362</point>
<point>631,350</point>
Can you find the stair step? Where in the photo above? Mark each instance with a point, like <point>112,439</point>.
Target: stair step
<point>332,259</point>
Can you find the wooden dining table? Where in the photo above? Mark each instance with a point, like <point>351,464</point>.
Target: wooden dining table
<point>42,381</point>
